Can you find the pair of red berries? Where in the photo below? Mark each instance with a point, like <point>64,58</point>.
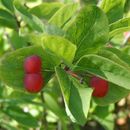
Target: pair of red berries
<point>33,79</point>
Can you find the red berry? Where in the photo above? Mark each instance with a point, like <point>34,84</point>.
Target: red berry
<point>33,82</point>
<point>32,64</point>
<point>100,86</point>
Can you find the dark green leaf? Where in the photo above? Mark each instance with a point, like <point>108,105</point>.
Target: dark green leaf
<point>89,30</point>
<point>76,96</point>
<point>7,19</point>
<point>113,8</point>
<point>8,4</point>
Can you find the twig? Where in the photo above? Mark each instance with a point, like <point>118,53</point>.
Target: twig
<point>59,126</point>
<point>43,120</point>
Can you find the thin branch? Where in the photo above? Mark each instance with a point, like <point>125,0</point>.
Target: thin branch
<point>59,125</point>
<point>43,120</point>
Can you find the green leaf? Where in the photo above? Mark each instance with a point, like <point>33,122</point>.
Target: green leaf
<point>113,8</point>
<point>8,4</point>
<point>19,95</point>
<point>89,30</point>
<point>46,10</point>
<point>104,68</point>
<point>7,19</point>
<point>23,118</point>
<point>63,15</point>
<point>66,50</point>
<point>6,23</point>
<point>104,116</point>
<point>5,14</point>
<point>76,96</point>
<point>11,65</point>
<point>34,22</point>
<point>119,26</point>
<point>114,94</point>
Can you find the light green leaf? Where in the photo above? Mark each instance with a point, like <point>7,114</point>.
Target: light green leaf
<point>104,68</point>
<point>53,30</point>
<point>126,50</point>
<point>46,10</point>
<point>8,126</point>
<point>120,26</point>
<point>52,104</point>
<point>76,97</point>
<point>113,8</point>
<point>60,46</point>
<point>11,65</point>
<point>34,22</point>
<point>116,55</point>
<point>89,30</point>
<point>63,15</point>
<point>17,41</point>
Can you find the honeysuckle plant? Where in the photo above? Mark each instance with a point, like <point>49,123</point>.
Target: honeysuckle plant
<point>76,43</point>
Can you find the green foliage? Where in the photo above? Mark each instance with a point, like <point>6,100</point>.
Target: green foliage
<point>75,41</point>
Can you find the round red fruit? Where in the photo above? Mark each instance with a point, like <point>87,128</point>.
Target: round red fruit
<point>32,64</point>
<point>33,82</point>
<point>100,86</point>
